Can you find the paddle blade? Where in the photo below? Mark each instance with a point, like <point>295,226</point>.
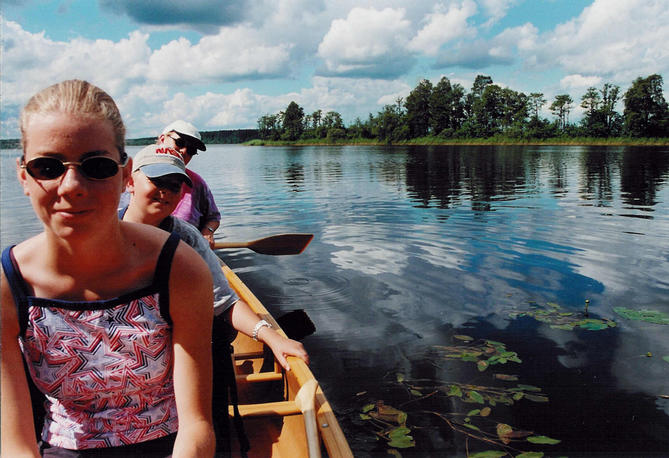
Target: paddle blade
<point>282,244</point>
<point>296,324</point>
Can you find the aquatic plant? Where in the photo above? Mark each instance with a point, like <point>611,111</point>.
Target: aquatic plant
<point>557,318</point>
<point>475,404</point>
<point>484,353</point>
<point>649,316</point>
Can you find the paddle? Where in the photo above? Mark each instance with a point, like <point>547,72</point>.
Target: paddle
<point>281,244</point>
<point>296,324</point>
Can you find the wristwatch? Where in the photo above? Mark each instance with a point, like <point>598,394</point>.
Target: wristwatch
<point>259,325</point>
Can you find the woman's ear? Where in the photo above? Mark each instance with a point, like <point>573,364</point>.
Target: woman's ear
<point>127,172</point>
<point>22,176</point>
<point>130,183</point>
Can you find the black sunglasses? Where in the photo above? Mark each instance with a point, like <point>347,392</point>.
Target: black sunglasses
<point>170,184</point>
<point>94,167</point>
<point>180,142</point>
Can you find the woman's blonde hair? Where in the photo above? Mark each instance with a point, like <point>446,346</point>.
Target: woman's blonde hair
<point>76,97</point>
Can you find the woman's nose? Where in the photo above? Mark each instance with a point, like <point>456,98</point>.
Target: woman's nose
<point>72,180</point>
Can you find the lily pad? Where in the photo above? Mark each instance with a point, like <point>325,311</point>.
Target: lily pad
<point>556,318</point>
<point>507,377</point>
<point>504,432</point>
<point>529,387</point>
<point>455,390</point>
<point>542,440</point>
<point>400,438</point>
<point>649,316</point>
<point>463,337</point>
<point>488,454</point>
<point>473,396</point>
<point>535,398</point>
<point>484,353</point>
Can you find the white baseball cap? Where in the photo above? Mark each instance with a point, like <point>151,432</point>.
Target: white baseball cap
<point>185,128</point>
<point>159,160</point>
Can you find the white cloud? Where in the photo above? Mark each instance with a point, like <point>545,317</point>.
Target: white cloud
<point>617,39</point>
<point>219,57</point>
<point>522,37</point>
<point>36,61</point>
<point>579,81</point>
<point>497,9</point>
<point>367,41</point>
<point>444,26</point>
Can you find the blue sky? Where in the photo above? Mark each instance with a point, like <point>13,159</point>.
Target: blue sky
<point>223,64</point>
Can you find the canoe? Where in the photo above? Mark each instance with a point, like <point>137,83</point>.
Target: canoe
<point>285,414</point>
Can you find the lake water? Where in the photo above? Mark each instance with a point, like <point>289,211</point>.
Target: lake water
<point>416,247</point>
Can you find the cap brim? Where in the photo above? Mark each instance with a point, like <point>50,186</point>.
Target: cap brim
<point>160,170</point>
<point>198,143</point>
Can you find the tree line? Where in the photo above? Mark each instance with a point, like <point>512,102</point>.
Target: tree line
<point>446,110</point>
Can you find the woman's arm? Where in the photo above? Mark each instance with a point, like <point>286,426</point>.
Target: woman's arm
<point>18,430</point>
<point>243,319</point>
<point>190,308</point>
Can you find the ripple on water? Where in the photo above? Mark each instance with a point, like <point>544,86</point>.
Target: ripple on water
<point>322,290</point>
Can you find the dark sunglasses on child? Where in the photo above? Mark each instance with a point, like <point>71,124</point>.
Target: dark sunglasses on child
<point>94,167</point>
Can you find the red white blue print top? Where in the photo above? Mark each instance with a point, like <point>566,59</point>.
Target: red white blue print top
<point>105,367</point>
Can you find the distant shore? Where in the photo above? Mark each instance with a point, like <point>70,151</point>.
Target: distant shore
<point>423,141</point>
<point>436,141</point>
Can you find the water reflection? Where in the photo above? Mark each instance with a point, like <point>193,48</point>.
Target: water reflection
<point>643,172</point>
<point>415,244</point>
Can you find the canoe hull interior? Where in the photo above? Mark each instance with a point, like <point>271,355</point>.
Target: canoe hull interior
<point>273,421</point>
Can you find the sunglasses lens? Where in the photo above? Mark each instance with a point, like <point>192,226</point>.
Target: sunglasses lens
<point>45,168</point>
<point>50,168</point>
<point>180,142</point>
<point>99,168</point>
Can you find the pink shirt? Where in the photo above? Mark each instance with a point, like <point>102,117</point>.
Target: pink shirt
<point>197,205</point>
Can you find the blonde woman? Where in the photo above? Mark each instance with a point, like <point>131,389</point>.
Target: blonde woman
<point>112,318</point>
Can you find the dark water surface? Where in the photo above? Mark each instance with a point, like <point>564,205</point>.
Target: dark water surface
<point>414,246</point>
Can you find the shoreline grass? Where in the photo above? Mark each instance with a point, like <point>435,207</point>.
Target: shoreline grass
<point>425,141</point>
<point>493,141</point>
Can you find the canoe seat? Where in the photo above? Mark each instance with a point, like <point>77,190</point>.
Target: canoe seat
<point>304,404</point>
<point>249,355</point>
<point>259,377</point>
<point>265,409</point>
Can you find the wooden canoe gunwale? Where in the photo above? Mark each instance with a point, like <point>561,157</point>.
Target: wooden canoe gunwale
<point>246,350</point>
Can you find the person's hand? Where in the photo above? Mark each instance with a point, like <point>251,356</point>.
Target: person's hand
<point>282,347</point>
<point>209,236</point>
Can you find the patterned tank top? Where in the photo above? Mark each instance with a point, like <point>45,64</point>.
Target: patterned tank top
<point>105,367</point>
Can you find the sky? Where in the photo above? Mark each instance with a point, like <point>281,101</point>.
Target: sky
<point>223,64</point>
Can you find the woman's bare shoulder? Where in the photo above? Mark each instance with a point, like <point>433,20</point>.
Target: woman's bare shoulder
<point>152,239</point>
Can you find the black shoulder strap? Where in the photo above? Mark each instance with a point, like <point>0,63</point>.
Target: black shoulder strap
<point>162,276</point>
<point>17,285</point>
